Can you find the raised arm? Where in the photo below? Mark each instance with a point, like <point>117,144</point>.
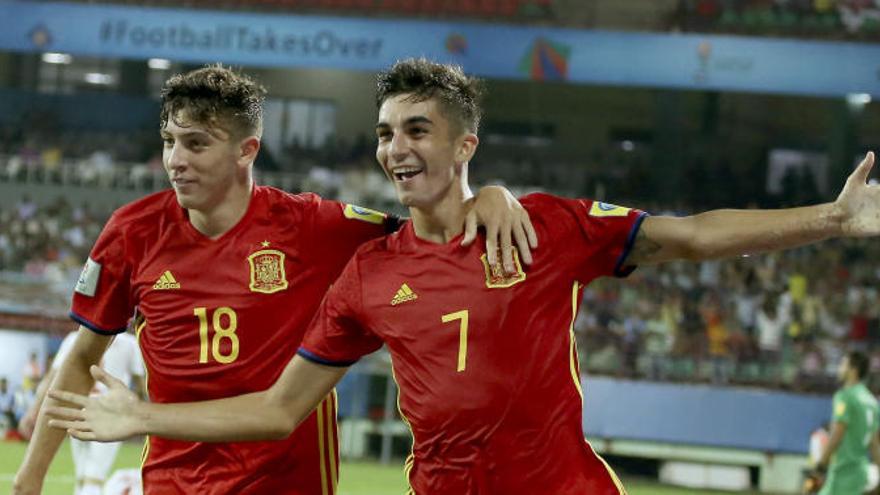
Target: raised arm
<point>725,233</point>
<point>267,415</point>
<point>73,375</point>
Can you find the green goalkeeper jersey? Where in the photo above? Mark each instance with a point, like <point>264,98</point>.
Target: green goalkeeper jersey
<point>855,407</point>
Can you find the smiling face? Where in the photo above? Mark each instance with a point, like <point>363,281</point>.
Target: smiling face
<point>420,150</point>
<point>203,162</point>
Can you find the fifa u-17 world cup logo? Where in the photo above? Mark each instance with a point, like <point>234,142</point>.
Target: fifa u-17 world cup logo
<point>267,271</point>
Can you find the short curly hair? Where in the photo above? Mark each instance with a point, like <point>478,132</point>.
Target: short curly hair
<point>217,96</point>
<point>459,94</point>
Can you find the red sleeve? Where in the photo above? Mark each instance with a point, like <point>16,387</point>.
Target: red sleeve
<point>102,296</point>
<point>594,238</point>
<point>336,337</point>
<point>339,229</point>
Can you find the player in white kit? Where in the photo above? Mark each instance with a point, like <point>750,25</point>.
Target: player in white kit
<point>93,460</point>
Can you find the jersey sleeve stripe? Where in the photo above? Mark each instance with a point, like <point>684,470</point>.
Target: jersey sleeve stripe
<point>617,483</point>
<point>619,269</point>
<point>331,426</point>
<point>93,327</point>
<point>322,458</point>
<point>572,350</point>
<point>302,351</point>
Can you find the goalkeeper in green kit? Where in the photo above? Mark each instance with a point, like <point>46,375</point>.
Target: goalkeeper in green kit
<point>854,423</point>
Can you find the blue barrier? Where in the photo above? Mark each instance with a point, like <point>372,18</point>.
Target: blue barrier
<point>766,421</point>
<point>686,61</point>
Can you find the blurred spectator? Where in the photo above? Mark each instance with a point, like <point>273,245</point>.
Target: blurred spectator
<point>770,325</point>
<point>32,373</point>
<point>7,404</point>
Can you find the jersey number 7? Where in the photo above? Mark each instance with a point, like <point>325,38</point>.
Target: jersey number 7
<point>462,316</point>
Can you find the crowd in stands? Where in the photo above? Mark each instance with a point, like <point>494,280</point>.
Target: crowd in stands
<point>834,19</point>
<point>41,152</point>
<point>47,241</point>
<point>782,319</point>
<point>827,19</point>
<point>504,10</point>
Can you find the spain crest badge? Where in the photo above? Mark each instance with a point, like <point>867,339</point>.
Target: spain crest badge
<point>495,276</point>
<point>267,271</point>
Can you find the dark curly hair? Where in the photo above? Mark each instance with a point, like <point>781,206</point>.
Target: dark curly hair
<point>217,96</point>
<point>459,95</point>
<point>859,362</point>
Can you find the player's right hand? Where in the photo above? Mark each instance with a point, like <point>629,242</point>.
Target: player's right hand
<point>109,417</point>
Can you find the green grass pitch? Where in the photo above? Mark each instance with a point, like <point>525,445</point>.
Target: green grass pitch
<point>357,477</point>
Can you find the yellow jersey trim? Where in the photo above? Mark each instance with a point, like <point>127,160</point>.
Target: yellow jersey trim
<point>411,458</point>
<point>319,413</point>
<point>145,452</point>
<point>332,434</point>
<point>572,346</point>
<point>617,483</point>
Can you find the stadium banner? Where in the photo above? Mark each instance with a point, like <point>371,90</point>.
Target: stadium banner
<point>702,415</point>
<point>684,61</point>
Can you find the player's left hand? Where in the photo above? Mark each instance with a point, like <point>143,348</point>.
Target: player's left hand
<point>859,202</point>
<point>505,220</point>
<point>106,418</point>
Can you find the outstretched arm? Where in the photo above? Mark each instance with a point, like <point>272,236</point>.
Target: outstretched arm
<point>725,233</point>
<point>267,415</point>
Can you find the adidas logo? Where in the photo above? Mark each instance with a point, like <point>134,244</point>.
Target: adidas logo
<point>166,281</point>
<point>404,294</point>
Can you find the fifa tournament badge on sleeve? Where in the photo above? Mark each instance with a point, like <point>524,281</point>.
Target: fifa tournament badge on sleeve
<point>600,209</point>
<point>364,214</point>
<point>88,279</point>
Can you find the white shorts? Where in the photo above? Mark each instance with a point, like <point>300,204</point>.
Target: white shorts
<point>873,477</point>
<point>124,482</point>
<point>93,460</point>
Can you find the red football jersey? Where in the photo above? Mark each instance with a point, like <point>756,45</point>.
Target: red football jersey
<point>486,363</point>
<point>223,317</point>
